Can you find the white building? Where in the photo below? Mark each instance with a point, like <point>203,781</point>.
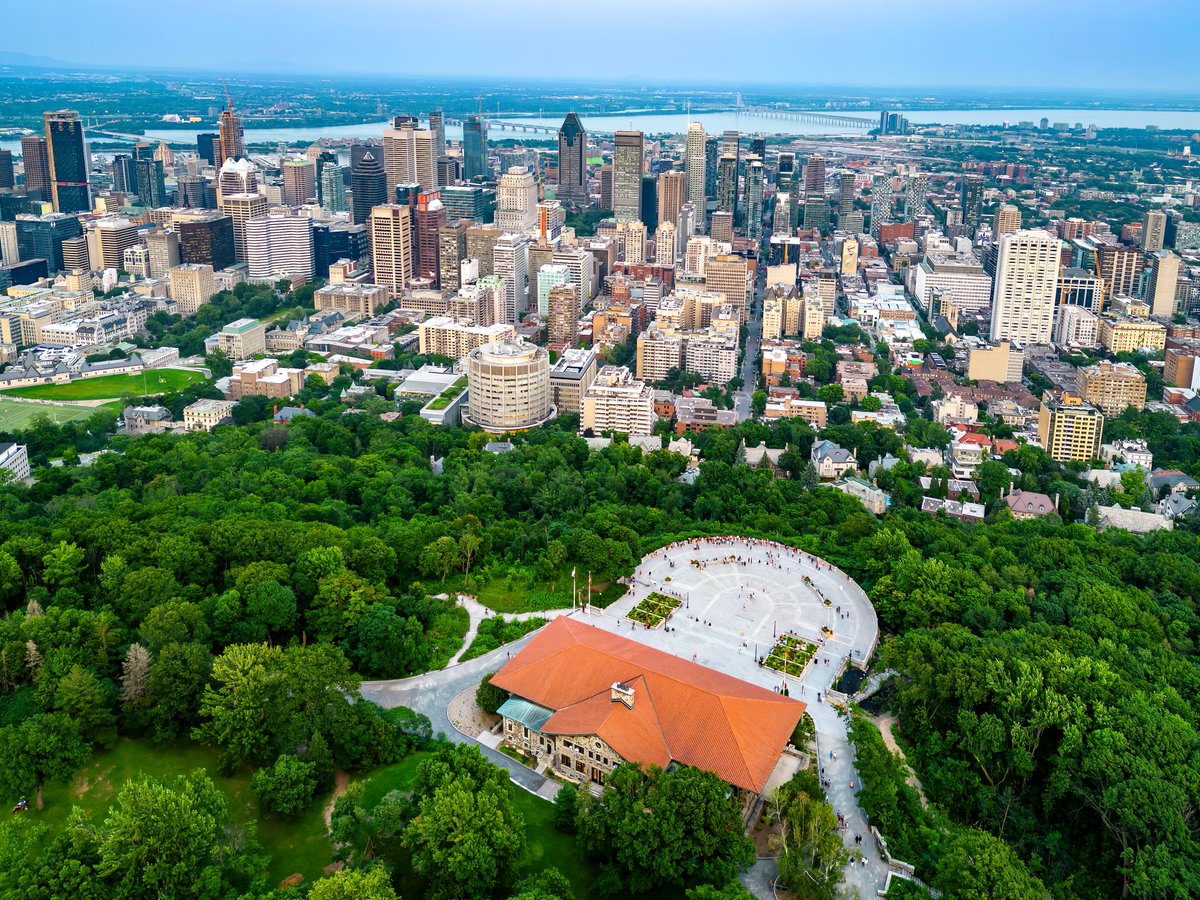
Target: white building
<point>14,459</point>
<point>408,158</point>
<point>1025,287</point>
<point>510,260</point>
<point>548,277</point>
<point>951,276</point>
<point>205,415</point>
<point>1077,326</point>
<point>579,263</point>
<point>280,245</point>
<point>616,401</point>
<point>516,201</point>
<point>694,166</point>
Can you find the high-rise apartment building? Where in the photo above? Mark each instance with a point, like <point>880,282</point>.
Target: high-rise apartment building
<point>280,244</point>
<point>508,386</point>
<point>1154,230</point>
<point>1006,221</point>
<point>191,286</point>
<point>549,277</point>
<point>1069,428</point>
<point>368,186</point>
<point>672,187</point>
<point>333,188</point>
<point>1025,286</point>
<point>124,174</point>
<point>971,199</point>
<point>847,192</point>
<point>452,250</point>
<point>516,201</point>
<point>1163,283</point>
<point>916,191</point>
<point>163,246</point>
<point>35,160</point>
<point>481,246</point>
<point>391,246</point>
<point>695,169</point>
<point>562,323</point>
<point>68,159</point>
<point>649,202</point>
<point>730,275</point>
<point>475,150</point>
<point>628,148</point>
<point>616,402</point>
<point>712,152</point>
<point>510,260</point>
<point>666,244</point>
<point>437,126</point>
<point>814,175</point>
<point>754,197</point>
<point>299,182</point>
<point>1112,387</point>
<point>881,203</point>
<point>572,162</point>
<point>579,263</point>
<point>727,185</point>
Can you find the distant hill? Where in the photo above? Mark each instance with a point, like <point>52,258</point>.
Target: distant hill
<point>13,58</point>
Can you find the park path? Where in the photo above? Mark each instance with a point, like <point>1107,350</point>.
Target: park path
<point>885,724</point>
<point>478,612</point>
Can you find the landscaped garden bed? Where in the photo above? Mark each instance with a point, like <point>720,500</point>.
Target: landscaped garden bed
<point>654,610</point>
<point>790,655</point>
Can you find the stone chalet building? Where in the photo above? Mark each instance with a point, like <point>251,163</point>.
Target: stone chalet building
<point>585,700</point>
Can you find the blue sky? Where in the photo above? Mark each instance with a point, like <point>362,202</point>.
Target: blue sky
<point>1105,44</point>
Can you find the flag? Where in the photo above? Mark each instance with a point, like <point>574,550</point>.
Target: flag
<point>572,572</point>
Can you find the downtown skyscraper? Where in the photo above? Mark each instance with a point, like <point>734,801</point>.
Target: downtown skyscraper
<point>475,152</point>
<point>627,175</point>
<point>231,141</point>
<point>68,160</point>
<point>572,162</point>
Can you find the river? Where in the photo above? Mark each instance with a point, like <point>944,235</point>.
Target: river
<point>715,123</point>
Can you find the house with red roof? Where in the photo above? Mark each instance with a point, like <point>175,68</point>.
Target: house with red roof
<point>585,700</point>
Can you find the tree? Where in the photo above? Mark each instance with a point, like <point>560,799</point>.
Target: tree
<point>566,808</point>
<point>177,680</point>
<point>135,673</point>
<point>489,698</point>
<point>467,830</point>
<point>652,828</point>
<point>548,884</point>
<point>287,786</point>
<point>814,856</point>
<point>731,891</point>
<point>63,566</point>
<point>980,866</point>
<point>219,364</point>
<point>44,747</point>
<point>81,697</point>
<point>161,838</point>
<point>353,884</point>
<point>440,556</point>
<point>758,403</point>
<point>240,703</point>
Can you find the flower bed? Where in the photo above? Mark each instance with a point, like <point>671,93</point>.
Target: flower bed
<point>790,655</point>
<point>654,610</point>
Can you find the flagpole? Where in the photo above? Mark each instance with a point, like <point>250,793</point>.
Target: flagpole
<point>574,589</point>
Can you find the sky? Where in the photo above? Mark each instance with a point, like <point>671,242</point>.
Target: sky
<point>1081,44</point>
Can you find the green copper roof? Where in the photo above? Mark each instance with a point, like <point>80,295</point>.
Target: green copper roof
<point>528,714</point>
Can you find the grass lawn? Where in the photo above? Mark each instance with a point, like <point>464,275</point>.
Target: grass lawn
<point>16,416</point>
<point>286,315</point>
<point>155,381</point>
<point>295,845</point>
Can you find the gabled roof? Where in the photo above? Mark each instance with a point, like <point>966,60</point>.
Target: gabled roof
<point>682,712</point>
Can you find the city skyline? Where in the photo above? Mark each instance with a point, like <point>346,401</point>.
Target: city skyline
<point>1113,56</point>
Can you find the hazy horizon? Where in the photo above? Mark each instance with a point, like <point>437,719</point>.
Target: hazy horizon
<point>1028,45</point>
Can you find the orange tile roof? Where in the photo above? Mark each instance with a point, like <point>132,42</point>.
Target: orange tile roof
<point>681,711</point>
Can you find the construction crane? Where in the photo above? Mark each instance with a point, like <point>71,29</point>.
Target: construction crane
<point>228,99</point>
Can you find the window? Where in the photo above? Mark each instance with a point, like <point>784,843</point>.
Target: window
<point>564,759</point>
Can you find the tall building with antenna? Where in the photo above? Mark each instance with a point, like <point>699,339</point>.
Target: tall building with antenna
<point>231,139</point>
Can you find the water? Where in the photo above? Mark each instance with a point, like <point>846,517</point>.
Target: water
<point>715,123</point>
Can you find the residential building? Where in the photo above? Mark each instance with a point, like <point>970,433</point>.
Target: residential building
<point>562,321</point>
<point>832,461</point>
<point>881,203</point>
<point>1154,230</point>
<point>755,176</point>
<point>695,164</point>
<point>672,194</point>
<point>299,182</point>
<point>658,352</point>
<point>693,414</point>
<point>1025,286</point>
<point>1029,504</point>
<point>163,247</point>
<point>1132,520</point>
<point>1134,451</point>
<point>333,188</point>
<point>1182,368</point>
<point>1077,326</point>
<point>356,299</point>
<point>873,498</point>
<point>570,377</point>
<point>1112,387</point>
<point>1080,288</point>
<point>108,239</point>
<point>191,286</point>
<point>454,338</point>
<point>509,386</point>
<point>946,276</point>
<point>510,261</point>
<point>732,276</point>
<point>1163,284</point>
<point>713,355</point>
<point>616,401</point>
<point>242,339</point>
<point>1129,334</point>
<point>1007,221</point>
<point>585,700</point>
<point>1069,428</point>
<point>1000,362</point>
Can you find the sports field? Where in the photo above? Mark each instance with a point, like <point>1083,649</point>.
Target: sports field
<point>155,381</point>
<point>15,416</point>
